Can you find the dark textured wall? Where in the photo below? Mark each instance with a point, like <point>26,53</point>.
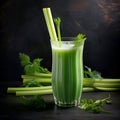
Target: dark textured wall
<point>23,29</point>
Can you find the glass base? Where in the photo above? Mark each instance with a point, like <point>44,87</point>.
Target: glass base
<point>69,104</point>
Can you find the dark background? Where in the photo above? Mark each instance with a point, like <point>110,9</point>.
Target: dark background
<point>23,29</point>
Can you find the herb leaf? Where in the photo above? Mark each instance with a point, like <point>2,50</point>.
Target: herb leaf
<point>93,74</point>
<point>30,68</point>
<point>94,106</point>
<point>34,102</point>
<point>25,59</point>
<point>79,40</point>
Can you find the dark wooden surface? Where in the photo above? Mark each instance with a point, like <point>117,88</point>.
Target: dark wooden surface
<point>12,108</point>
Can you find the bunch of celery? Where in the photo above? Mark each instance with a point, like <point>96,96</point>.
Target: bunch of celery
<point>37,80</point>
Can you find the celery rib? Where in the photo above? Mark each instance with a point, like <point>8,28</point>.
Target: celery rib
<point>108,80</point>
<point>49,75</point>
<point>14,89</point>
<point>106,85</point>
<point>41,80</point>
<point>38,90</point>
<point>37,76</point>
<point>34,92</point>
<point>107,89</point>
<point>50,24</point>
<point>88,89</point>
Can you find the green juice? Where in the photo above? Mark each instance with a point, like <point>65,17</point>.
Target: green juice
<point>67,73</point>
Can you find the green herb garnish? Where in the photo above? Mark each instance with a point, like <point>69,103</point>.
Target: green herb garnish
<point>95,106</point>
<point>79,39</point>
<point>31,67</point>
<point>89,73</point>
<point>34,102</point>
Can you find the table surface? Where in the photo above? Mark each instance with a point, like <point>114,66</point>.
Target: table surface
<point>12,108</point>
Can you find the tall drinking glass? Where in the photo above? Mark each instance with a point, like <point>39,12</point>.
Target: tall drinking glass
<point>67,72</point>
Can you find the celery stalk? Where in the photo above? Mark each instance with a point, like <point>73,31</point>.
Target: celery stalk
<point>34,92</point>
<point>50,23</point>
<point>14,89</point>
<point>44,92</point>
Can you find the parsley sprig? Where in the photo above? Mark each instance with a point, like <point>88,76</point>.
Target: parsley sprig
<point>31,67</point>
<point>95,106</point>
<point>93,74</point>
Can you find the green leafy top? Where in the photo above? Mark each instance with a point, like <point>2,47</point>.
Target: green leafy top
<point>57,22</point>
<point>93,74</point>
<point>79,40</point>
<point>33,67</point>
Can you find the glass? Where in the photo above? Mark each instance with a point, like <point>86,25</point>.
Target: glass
<point>67,72</point>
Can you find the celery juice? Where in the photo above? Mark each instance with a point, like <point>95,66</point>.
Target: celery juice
<point>67,73</point>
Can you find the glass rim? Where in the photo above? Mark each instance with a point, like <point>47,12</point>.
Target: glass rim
<point>64,39</point>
